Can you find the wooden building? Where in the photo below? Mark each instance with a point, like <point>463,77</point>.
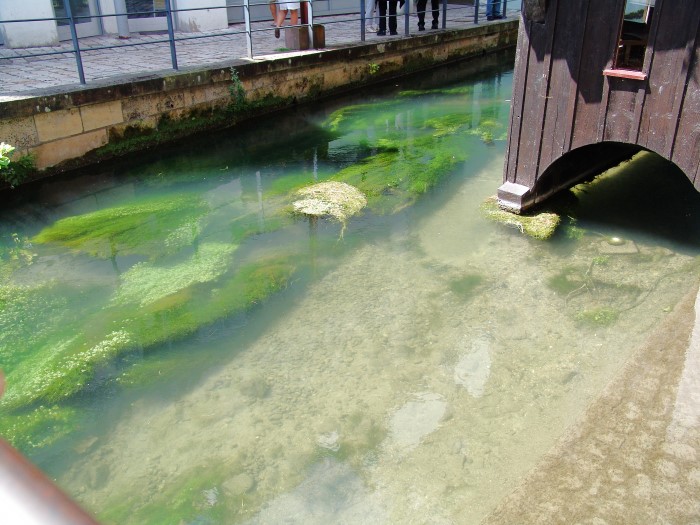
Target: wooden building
<point>595,81</point>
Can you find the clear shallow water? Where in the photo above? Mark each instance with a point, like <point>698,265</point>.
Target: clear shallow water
<point>410,372</point>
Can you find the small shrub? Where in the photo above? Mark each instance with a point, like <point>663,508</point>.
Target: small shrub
<point>15,172</point>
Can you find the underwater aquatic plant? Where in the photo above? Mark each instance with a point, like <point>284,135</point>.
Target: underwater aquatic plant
<point>59,371</point>
<point>38,428</point>
<point>134,228</point>
<point>603,316</point>
<point>147,282</point>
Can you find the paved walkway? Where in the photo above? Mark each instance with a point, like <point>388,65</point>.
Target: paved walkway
<point>22,75</point>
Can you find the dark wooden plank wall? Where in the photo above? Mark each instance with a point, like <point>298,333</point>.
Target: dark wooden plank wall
<point>562,101</point>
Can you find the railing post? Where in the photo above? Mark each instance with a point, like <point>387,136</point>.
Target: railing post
<point>310,21</point>
<point>407,10</point>
<point>476,11</point>
<point>362,20</point>
<point>171,34</point>
<point>74,37</point>
<point>505,8</point>
<point>248,33</point>
<point>444,14</point>
<point>122,19</point>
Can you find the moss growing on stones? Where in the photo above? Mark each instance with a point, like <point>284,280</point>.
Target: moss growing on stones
<point>538,225</point>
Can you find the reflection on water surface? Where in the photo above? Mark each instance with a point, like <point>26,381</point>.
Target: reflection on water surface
<point>179,349</point>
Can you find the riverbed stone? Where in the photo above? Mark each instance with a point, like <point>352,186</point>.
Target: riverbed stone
<point>238,484</point>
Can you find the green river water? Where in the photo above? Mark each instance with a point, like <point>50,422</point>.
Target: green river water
<point>180,349</point>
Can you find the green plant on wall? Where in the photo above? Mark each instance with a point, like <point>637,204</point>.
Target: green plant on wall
<point>238,95</point>
<point>15,172</point>
<point>5,150</point>
<point>373,69</point>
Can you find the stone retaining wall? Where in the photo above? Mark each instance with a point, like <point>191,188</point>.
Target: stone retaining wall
<point>88,124</point>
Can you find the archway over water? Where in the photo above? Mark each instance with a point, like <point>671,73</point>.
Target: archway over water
<point>645,193</point>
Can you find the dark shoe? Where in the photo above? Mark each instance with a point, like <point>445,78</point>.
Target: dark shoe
<point>435,25</point>
<point>393,33</point>
<point>381,33</point>
<point>277,32</point>
<point>489,18</point>
<point>421,27</point>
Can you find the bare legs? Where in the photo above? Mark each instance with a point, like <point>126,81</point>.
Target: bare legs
<point>281,15</point>
<point>273,11</point>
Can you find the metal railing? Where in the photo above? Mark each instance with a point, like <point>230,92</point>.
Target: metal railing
<point>73,20</point>
<point>474,13</point>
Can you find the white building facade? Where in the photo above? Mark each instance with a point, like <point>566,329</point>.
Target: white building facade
<point>137,16</point>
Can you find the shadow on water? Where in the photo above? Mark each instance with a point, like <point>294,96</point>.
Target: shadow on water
<point>645,198</point>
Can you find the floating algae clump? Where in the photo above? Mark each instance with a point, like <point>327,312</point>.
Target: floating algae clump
<point>139,227</point>
<point>540,225</point>
<point>336,200</point>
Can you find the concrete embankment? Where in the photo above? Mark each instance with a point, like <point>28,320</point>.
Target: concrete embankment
<point>85,125</point>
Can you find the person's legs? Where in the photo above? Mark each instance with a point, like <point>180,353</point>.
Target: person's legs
<point>493,9</point>
<point>392,17</point>
<point>489,9</point>
<point>420,8</point>
<point>294,17</point>
<point>435,4</point>
<point>273,11</point>
<point>369,14</point>
<point>381,4</point>
<point>281,15</point>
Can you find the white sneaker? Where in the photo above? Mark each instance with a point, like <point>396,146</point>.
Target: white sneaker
<point>371,29</point>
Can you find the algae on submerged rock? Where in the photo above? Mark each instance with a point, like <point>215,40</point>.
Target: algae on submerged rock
<point>336,200</point>
<point>538,225</point>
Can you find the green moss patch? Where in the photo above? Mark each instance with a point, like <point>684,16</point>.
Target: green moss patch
<point>603,316</point>
<point>539,225</point>
<point>61,370</point>
<point>38,428</point>
<point>153,227</point>
<point>466,285</point>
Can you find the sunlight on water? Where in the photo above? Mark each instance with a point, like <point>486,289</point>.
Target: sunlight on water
<point>179,349</point>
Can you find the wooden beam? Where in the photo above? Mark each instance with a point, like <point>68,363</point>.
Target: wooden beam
<point>535,10</point>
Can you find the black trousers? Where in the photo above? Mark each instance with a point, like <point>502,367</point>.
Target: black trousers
<point>392,15</point>
<point>420,7</point>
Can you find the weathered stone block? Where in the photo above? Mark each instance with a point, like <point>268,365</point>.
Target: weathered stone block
<point>19,132</point>
<point>319,36</point>
<point>57,151</point>
<point>296,38</point>
<point>58,124</point>
<point>101,115</point>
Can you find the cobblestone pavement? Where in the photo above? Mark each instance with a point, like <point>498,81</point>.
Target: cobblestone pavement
<point>22,75</point>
